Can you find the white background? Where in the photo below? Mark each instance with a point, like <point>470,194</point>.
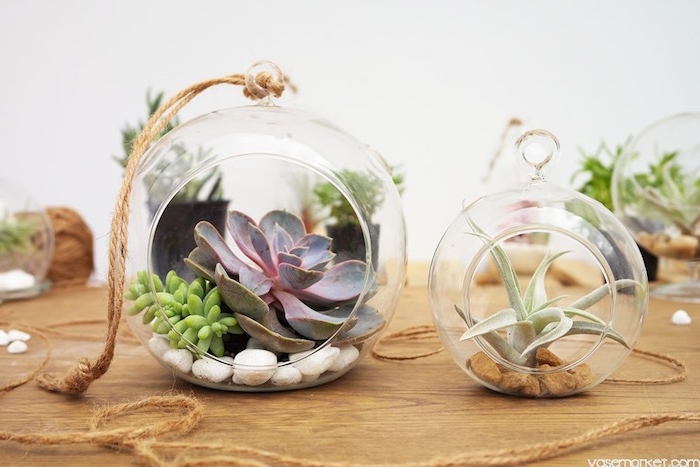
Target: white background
<point>430,84</point>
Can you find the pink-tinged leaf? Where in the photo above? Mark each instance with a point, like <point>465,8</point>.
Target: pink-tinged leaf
<point>295,278</point>
<point>286,220</point>
<point>341,283</point>
<point>318,253</point>
<point>369,322</point>
<point>271,339</point>
<point>213,245</point>
<point>238,298</point>
<point>307,322</point>
<point>281,241</point>
<point>262,249</point>
<point>288,258</point>
<point>256,281</point>
<point>201,264</point>
<point>240,225</point>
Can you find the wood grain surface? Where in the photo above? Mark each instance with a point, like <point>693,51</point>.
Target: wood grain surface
<point>380,412</point>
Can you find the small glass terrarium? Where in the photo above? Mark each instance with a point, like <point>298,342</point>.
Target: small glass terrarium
<point>656,193</point>
<point>287,269</point>
<point>26,244</point>
<point>538,291</point>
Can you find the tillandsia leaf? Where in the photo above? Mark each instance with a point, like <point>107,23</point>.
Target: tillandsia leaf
<point>570,312</point>
<point>557,332</point>
<point>503,347</point>
<point>544,317</point>
<point>505,269</point>
<point>535,293</point>
<point>238,298</point>
<point>585,327</point>
<point>547,304</point>
<point>343,282</point>
<point>306,321</point>
<point>520,335</point>
<point>601,292</point>
<point>502,319</point>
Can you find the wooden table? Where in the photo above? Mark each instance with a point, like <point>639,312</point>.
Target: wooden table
<point>380,412</point>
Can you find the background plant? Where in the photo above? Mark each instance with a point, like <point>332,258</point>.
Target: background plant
<point>160,178</point>
<point>363,185</point>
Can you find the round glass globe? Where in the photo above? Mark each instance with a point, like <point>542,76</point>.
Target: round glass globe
<point>293,231</point>
<point>26,244</point>
<point>537,291</point>
<point>656,193</point>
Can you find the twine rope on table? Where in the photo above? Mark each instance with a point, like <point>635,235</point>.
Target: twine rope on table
<point>427,331</point>
<point>262,85</point>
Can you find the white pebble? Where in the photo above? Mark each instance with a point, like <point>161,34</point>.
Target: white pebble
<point>180,359</point>
<point>16,280</point>
<point>158,345</point>
<point>681,318</point>
<point>286,376</point>
<point>348,355</point>
<point>4,339</point>
<point>17,347</point>
<point>17,335</point>
<point>314,362</point>
<point>254,367</point>
<point>214,371</point>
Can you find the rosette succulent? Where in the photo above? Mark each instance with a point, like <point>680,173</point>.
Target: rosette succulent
<point>287,293</point>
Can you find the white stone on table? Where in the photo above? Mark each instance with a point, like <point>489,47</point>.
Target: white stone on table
<point>4,339</point>
<point>286,376</point>
<point>17,335</point>
<point>313,363</point>
<point>347,356</point>
<point>212,370</point>
<point>180,359</point>
<point>16,279</point>
<point>253,367</point>
<point>17,347</point>
<point>681,318</point>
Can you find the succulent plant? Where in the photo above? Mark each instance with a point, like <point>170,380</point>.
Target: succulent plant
<point>532,320</point>
<point>288,294</point>
<point>189,314</point>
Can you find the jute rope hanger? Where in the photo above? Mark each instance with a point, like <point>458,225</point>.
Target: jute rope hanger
<point>256,87</point>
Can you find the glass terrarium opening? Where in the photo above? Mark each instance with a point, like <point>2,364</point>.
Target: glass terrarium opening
<point>561,323</point>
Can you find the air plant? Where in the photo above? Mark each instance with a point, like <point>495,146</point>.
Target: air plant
<point>189,314</point>
<point>288,294</point>
<point>532,320</point>
<point>668,192</point>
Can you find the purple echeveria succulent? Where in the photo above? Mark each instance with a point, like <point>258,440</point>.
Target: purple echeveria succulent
<point>289,295</point>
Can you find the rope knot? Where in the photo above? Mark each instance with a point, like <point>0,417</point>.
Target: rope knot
<point>264,83</point>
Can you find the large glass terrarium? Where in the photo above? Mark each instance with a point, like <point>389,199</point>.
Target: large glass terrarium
<point>537,291</point>
<point>286,269</point>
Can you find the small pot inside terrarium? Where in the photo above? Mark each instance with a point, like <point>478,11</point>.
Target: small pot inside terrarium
<point>540,319</point>
<point>26,244</point>
<point>264,301</point>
